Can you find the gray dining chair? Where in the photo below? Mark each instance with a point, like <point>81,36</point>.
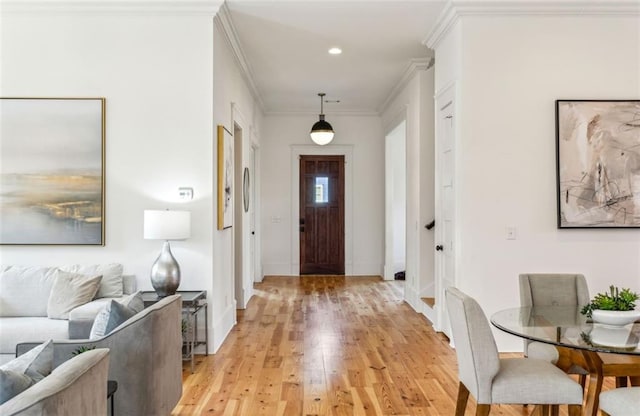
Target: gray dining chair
<point>623,401</point>
<point>494,380</point>
<point>564,289</point>
<point>553,289</point>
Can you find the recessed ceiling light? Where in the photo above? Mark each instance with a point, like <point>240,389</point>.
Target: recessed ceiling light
<point>335,51</point>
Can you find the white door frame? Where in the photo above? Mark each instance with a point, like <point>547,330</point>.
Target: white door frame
<point>254,209</point>
<point>390,202</point>
<point>244,246</point>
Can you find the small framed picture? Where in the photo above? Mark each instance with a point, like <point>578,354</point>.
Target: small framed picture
<point>225,178</point>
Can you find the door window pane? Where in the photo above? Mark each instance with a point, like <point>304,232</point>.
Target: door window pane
<point>322,190</point>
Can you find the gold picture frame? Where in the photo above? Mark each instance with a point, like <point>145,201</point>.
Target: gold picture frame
<point>52,171</point>
<point>225,178</point>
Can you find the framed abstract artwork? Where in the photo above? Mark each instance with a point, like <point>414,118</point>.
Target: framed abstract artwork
<point>225,178</point>
<point>52,171</point>
<point>598,163</point>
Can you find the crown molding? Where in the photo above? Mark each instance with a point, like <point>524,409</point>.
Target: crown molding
<point>415,65</point>
<point>231,35</point>
<point>329,114</point>
<point>109,7</point>
<point>458,8</point>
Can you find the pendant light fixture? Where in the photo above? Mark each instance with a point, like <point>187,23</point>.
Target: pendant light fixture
<point>321,132</point>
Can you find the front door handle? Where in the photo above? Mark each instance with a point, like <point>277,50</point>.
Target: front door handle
<point>439,247</point>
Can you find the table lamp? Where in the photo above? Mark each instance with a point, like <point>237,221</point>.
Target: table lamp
<point>166,225</point>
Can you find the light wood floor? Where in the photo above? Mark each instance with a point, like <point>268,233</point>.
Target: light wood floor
<point>328,345</point>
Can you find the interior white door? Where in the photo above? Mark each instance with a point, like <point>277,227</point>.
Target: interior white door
<point>251,204</point>
<point>445,208</point>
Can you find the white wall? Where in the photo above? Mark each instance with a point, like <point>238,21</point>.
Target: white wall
<point>158,129</point>
<point>156,72</point>
<point>511,70</point>
<point>232,103</point>
<point>364,139</point>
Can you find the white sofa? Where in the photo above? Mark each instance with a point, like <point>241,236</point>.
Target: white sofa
<point>24,297</point>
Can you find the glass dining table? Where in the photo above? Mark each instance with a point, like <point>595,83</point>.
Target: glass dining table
<point>578,339</point>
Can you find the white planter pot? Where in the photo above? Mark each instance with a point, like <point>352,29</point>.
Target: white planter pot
<point>615,318</point>
<point>618,336</point>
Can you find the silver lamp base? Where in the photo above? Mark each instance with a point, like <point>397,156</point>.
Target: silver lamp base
<point>165,273</point>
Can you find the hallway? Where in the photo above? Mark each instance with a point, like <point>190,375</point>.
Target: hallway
<point>328,345</point>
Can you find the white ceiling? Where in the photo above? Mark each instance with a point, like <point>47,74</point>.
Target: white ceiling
<point>285,44</point>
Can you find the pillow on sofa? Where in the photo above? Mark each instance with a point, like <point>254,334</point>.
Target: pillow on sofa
<point>69,291</point>
<point>13,383</point>
<point>24,290</point>
<point>24,371</point>
<point>112,315</point>
<point>133,301</point>
<point>111,284</point>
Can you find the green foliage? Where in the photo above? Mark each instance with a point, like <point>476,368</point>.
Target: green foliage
<point>185,326</point>
<point>82,349</point>
<point>615,300</point>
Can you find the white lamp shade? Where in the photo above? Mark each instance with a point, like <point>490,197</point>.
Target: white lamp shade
<point>167,225</point>
<point>322,137</point>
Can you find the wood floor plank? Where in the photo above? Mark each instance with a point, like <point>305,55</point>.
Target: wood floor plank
<point>329,346</point>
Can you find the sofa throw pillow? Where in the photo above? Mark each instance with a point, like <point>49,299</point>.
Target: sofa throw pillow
<point>133,301</point>
<point>109,317</point>
<point>36,363</point>
<point>111,283</point>
<point>13,383</point>
<point>24,290</point>
<point>69,291</point>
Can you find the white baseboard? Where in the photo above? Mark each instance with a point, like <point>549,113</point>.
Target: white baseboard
<point>222,327</point>
<point>411,297</point>
<point>429,313</point>
<point>277,269</point>
<point>428,291</point>
<point>355,269</point>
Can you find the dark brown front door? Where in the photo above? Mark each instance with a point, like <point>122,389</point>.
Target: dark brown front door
<point>321,214</point>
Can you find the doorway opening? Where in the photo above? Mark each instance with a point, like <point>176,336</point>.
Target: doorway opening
<point>396,203</point>
<point>321,221</point>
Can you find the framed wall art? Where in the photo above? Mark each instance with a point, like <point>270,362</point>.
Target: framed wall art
<point>225,178</point>
<point>52,171</point>
<point>598,163</point>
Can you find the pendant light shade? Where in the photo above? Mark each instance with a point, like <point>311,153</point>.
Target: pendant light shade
<point>322,132</point>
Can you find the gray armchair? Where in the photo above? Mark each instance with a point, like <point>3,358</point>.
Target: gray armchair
<point>77,387</point>
<point>494,380</point>
<point>145,359</point>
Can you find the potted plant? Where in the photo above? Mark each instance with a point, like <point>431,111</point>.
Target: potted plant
<point>616,307</point>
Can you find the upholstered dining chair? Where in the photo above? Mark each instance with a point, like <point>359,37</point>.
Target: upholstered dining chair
<point>553,289</point>
<point>494,380</point>
<point>623,401</point>
<point>548,289</point>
